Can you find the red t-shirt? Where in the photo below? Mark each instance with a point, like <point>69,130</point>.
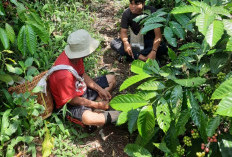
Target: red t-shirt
<point>62,82</point>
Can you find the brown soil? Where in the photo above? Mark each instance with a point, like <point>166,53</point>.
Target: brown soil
<point>111,140</point>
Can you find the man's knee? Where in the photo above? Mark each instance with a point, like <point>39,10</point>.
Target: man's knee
<point>111,80</point>
<point>91,118</point>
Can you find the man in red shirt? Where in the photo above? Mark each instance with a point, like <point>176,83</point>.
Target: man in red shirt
<point>66,89</point>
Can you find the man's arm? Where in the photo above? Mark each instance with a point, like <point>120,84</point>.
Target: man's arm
<point>88,103</point>
<point>91,84</point>
<point>127,46</point>
<point>156,44</point>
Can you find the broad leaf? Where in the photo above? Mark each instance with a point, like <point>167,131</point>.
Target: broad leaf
<point>207,9</point>
<point>182,120</point>
<point>214,33</point>
<point>186,9</point>
<point>40,31</point>
<point>10,33</point>
<point>48,144</point>
<point>132,80</point>
<point>177,29</point>
<point>4,38</point>
<point>162,146</point>
<point>138,18</point>
<point>127,102</point>
<point>225,106</point>
<point>163,116</point>
<point>147,95</point>
<point>5,121</point>
<point>132,119</point>
<point>228,26</point>
<point>170,137</point>
<point>22,41</point>
<point>194,45</point>
<point>168,34</point>
<point>149,27</point>
<point>15,70</point>
<point>176,95</point>
<point>151,85</point>
<point>122,118</point>
<point>184,21</point>
<point>213,125</point>
<point>225,145</point>
<point>31,39</point>
<point>6,78</point>
<point>29,62</point>
<point>229,45</point>
<point>154,20</point>
<point>137,67</point>
<point>172,55</point>
<point>136,151</point>
<point>191,82</point>
<point>218,61</point>
<point>146,121</point>
<point>143,141</point>
<point>203,22</point>
<point>220,10</point>
<point>223,90</point>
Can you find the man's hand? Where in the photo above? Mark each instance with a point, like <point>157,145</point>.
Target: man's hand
<point>104,94</point>
<point>104,105</point>
<point>128,49</point>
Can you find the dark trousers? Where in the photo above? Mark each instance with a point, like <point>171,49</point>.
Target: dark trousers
<point>118,46</point>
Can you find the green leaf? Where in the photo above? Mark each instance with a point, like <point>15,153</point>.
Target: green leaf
<point>172,55</point>
<point>132,119</point>
<point>186,9</point>
<point>10,32</point>
<point>5,121</point>
<point>40,31</point>
<point>203,5</point>
<point>146,121</point>
<point>29,62</point>
<point>163,116</point>
<point>22,42</point>
<point>59,123</point>
<point>218,61</point>
<point>48,143</point>
<point>21,10</point>
<point>182,120</point>
<point>191,82</point>
<point>143,141</point>
<point>6,78</point>
<point>228,26</point>
<point>147,95</point>
<point>194,45</point>
<point>4,38</point>
<point>203,22</point>
<point>127,102</point>
<point>15,70</point>
<point>176,95</point>
<point>31,39</point>
<point>225,106</point>
<point>137,67</point>
<point>220,10</point>
<point>154,20</point>
<point>151,85</point>
<point>122,118</point>
<point>213,125</point>
<point>136,151</point>
<point>229,45</point>
<point>162,146</point>
<point>168,34</point>
<point>138,18</point>
<point>132,80</point>
<point>214,33</point>
<point>177,29</point>
<point>2,11</point>
<point>184,21</point>
<point>223,90</point>
<point>225,145</point>
<point>149,27</point>
<point>170,137</point>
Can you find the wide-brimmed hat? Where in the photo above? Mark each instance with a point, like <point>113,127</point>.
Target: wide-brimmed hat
<point>80,44</point>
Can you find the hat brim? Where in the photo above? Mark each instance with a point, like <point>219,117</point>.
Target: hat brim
<point>93,45</point>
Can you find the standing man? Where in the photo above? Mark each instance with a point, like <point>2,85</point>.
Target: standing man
<point>152,39</point>
<point>69,84</point>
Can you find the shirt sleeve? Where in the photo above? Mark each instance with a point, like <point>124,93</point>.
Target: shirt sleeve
<point>125,19</point>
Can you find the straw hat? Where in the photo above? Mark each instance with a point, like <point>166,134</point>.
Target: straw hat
<point>80,44</point>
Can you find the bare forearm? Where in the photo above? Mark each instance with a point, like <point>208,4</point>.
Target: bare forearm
<point>124,36</point>
<point>156,44</point>
<point>90,83</point>
<point>83,102</point>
